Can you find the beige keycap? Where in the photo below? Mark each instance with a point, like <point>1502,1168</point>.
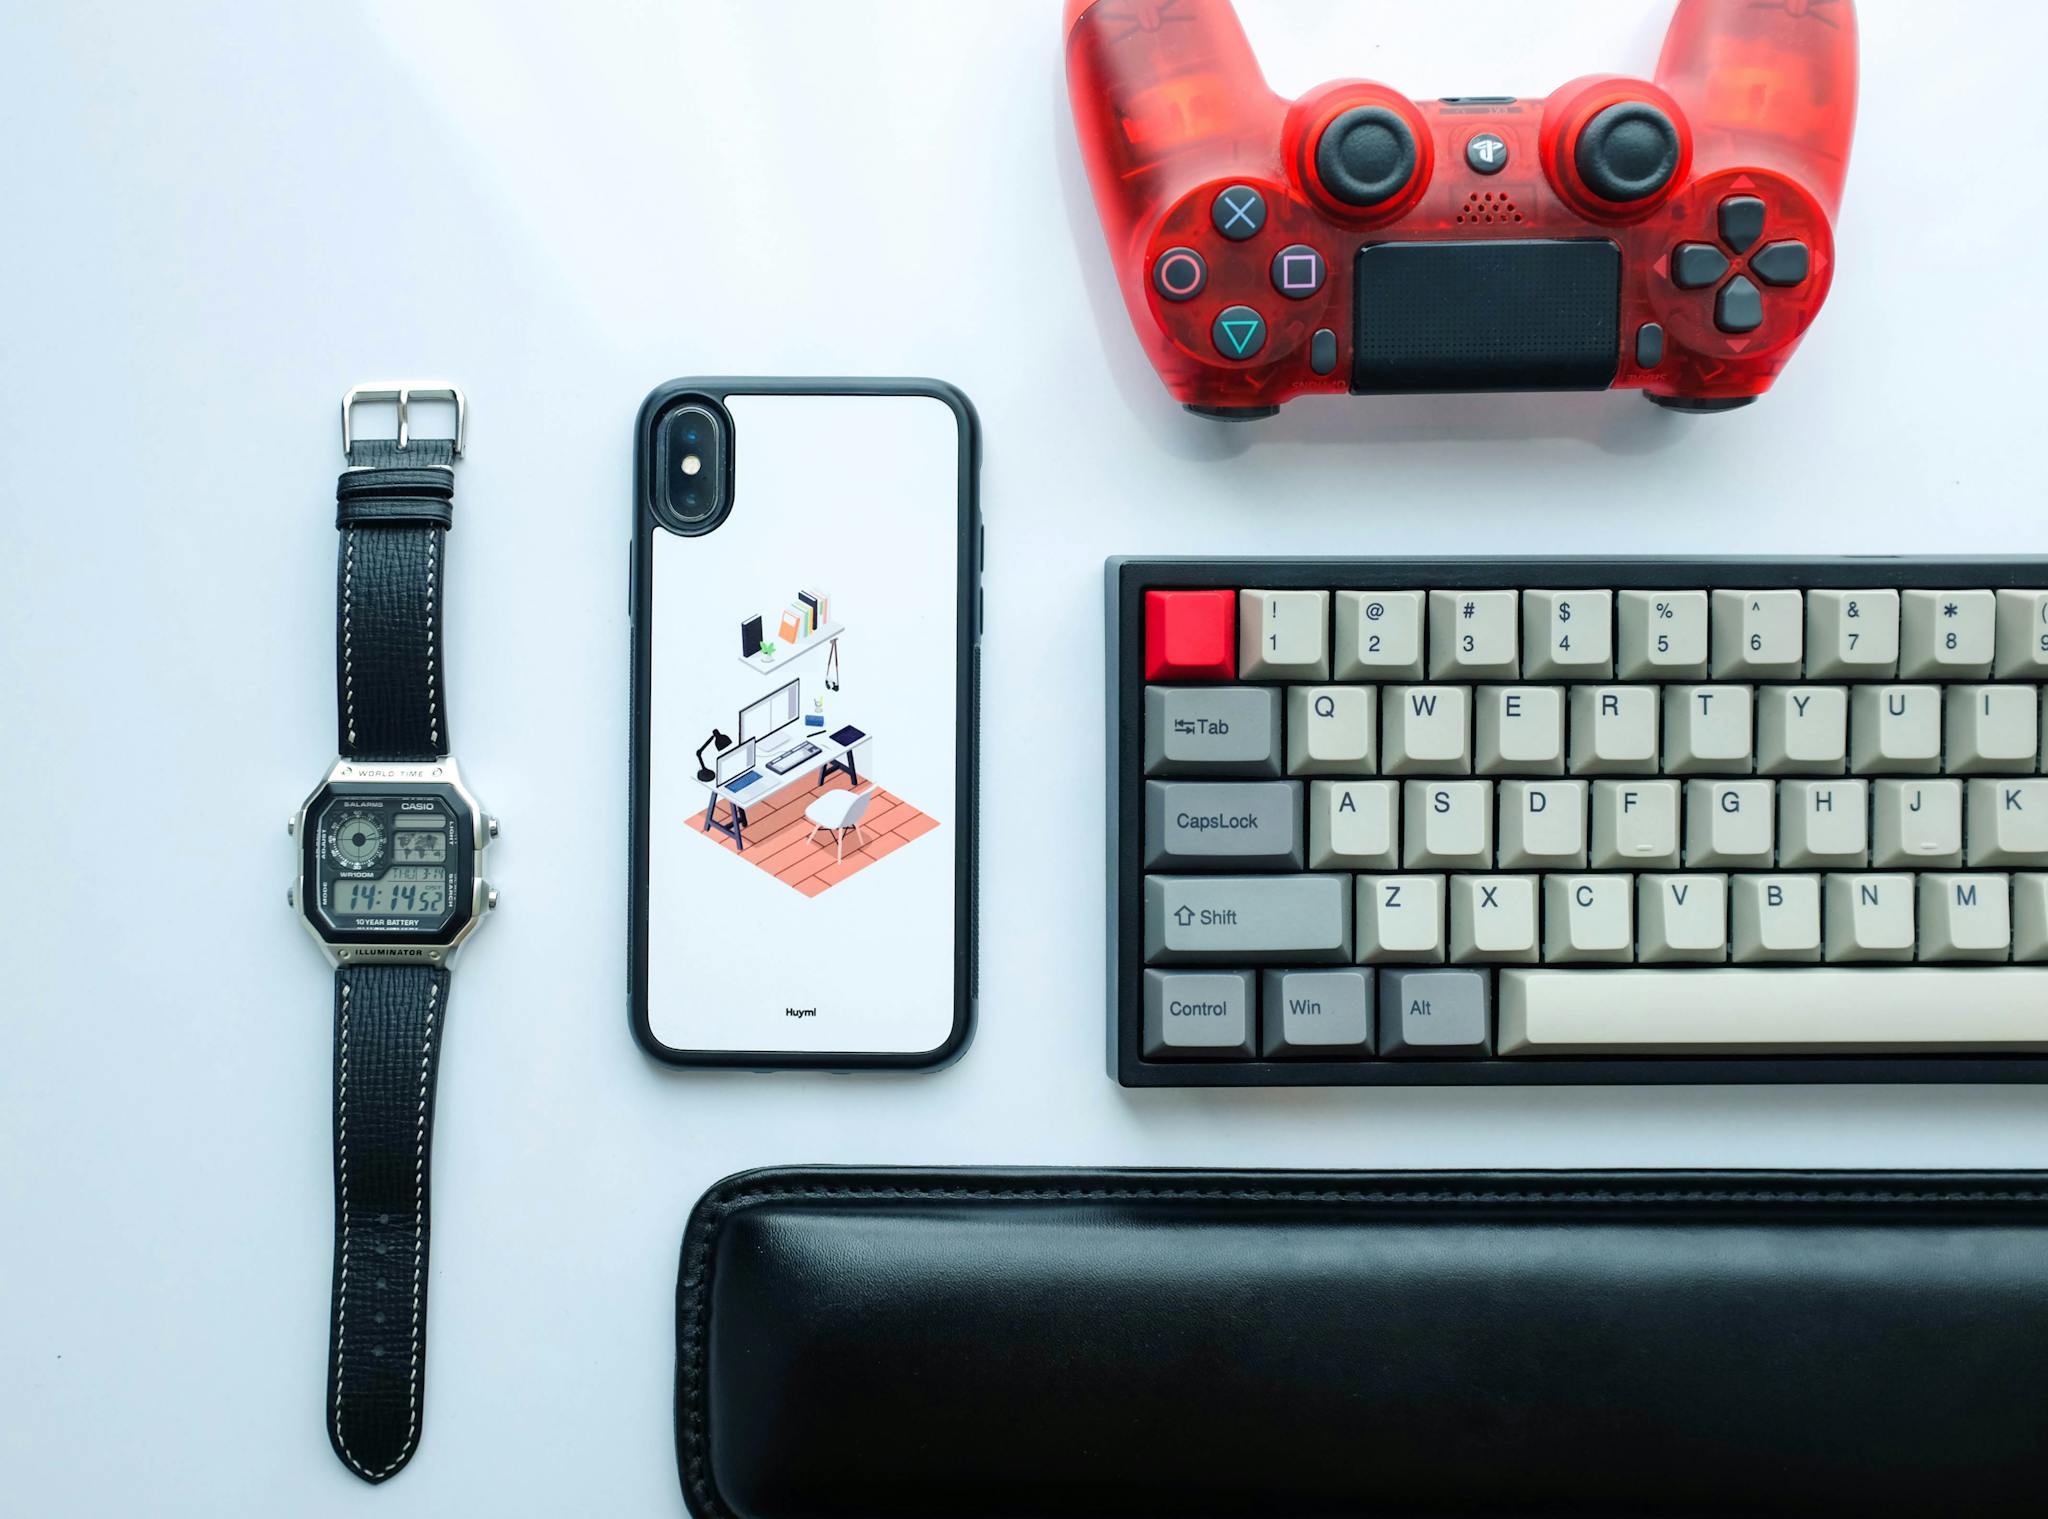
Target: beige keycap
<point>1542,825</point>
<point>1946,634</point>
<point>1426,730</point>
<point>1379,635</point>
<point>1635,824</point>
<point>1330,729</point>
<point>1447,825</point>
<point>1802,730</point>
<point>1914,824</point>
<point>1681,918</point>
<point>1758,635</point>
<point>1774,917</point>
<point>1661,635</point>
<point>2023,634</point>
<point>1519,730</point>
<point>1614,730</point>
<point>1283,635</point>
<point>1352,825</point>
<point>2007,822</point>
<point>1400,919</point>
<point>1965,917</point>
<point>2030,917</point>
<point>1797,1010</point>
<point>1567,635</point>
<point>1823,823</point>
<point>1493,919</point>
<point>1895,730</point>
<point>1473,635</point>
<point>1707,730</point>
<point>1868,917</point>
<point>1588,918</point>
<point>1852,633</point>
<point>1991,728</point>
<point>1731,824</point>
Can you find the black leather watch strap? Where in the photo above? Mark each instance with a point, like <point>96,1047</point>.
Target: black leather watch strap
<point>388,1023</point>
<point>393,507</point>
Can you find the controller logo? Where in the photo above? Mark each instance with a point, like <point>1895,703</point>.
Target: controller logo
<point>1487,153</point>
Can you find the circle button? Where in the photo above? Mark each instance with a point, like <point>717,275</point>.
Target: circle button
<point>1366,156</point>
<point>1239,332</point>
<point>1180,274</point>
<point>1239,212</point>
<point>1298,272</point>
<point>1486,153</point>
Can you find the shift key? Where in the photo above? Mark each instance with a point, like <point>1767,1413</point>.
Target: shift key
<point>1226,825</point>
<point>1214,920</point>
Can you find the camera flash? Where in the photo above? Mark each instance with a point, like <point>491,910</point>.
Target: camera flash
<point>691,464</point>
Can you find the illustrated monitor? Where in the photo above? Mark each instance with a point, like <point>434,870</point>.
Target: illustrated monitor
<point>771,713</point>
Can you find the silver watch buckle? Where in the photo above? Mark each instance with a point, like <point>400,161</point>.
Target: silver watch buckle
<point>402,391</point>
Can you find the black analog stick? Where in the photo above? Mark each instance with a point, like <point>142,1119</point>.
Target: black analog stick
<point>1628,152</point>
<point>1366,156</point>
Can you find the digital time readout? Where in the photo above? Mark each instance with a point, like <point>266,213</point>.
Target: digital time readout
<point>419,844</point>
<point>402,891</point>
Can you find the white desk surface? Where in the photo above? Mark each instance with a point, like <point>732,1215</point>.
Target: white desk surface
<point>828,752</point>
<point>221,215</point>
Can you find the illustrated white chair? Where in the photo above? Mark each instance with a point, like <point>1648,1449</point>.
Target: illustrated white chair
<point>839,811</point>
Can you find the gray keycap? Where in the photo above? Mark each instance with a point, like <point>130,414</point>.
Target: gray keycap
<point>1247,825</point>
<point>1212,730</point>
<point>1198,1014</point>
<point>1193,920</point>
<point>1316,1014</point>
<point>1434,1012</point>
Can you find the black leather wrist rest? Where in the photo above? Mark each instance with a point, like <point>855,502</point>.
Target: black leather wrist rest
<point>854,1342</point>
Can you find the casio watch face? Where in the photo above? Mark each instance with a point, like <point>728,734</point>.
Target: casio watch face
<point>387,865</point>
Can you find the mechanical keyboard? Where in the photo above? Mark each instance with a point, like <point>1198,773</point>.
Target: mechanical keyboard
<point>1577,820</point>
<point>789,759</point>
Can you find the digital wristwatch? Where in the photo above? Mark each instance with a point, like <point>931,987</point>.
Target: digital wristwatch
<point>390,883</point>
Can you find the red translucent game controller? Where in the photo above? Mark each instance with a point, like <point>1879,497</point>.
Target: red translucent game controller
<point>1674,237</point>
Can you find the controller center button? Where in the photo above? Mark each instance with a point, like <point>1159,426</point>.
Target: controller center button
<point>1239,212</point>
<point>1180,274</point>
<point>1694,266</point>
<point>1366,156</point>
<point>1628,152</point>
<point>1739,307</point>
<point>1742,221</point>
<point>1785,263</point>
<point>1299,272</point>
<point>1239,332</point>
<point>1487,153</point>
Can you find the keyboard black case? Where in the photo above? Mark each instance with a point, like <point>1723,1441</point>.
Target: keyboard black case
<point>991,1343</point>
<point>1127,581</point>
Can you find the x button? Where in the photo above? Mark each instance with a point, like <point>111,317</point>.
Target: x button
<point>1239,213</point>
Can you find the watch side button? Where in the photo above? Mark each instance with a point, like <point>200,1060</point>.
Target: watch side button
<point>491,900</point>
<point>491,826</point>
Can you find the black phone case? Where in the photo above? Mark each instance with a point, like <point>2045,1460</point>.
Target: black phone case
<point>931,1342</point>
<point>971,555</point>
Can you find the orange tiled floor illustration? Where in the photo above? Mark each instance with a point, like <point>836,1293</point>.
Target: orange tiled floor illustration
<point>778,836</point>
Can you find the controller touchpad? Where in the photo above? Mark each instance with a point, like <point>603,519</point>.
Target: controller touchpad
<point>1527,314</point>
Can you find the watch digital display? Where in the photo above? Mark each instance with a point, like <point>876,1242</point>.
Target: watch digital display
<point>388,863</point>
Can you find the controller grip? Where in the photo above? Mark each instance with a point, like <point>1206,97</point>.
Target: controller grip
<point>1162,89</point>
<point>1767,84</point>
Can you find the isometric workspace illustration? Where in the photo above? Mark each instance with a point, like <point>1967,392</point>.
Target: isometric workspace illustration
<point>790,788</point>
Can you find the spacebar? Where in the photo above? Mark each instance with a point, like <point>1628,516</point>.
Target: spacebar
<point>1772,1012</point>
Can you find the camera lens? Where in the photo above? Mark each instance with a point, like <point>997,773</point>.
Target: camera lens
<point>693,459</point>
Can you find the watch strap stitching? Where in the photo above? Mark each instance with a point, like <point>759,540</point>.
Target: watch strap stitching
<point>348,668</point>
<point>426,1068</point>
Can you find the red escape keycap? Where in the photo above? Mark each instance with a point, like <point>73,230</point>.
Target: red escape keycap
<point>1191,635</point>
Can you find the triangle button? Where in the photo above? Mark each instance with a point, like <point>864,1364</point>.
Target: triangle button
<point>1239,333</point>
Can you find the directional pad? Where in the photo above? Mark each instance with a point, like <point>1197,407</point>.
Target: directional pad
<point>1739,307</point>
<point>1781,263</point>
<point>1742,221</point>
<point>1694,266</point>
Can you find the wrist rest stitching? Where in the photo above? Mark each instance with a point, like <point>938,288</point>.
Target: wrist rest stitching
<point>701,1235</point>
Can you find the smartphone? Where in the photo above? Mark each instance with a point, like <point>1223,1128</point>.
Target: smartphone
<point>806,594</point>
